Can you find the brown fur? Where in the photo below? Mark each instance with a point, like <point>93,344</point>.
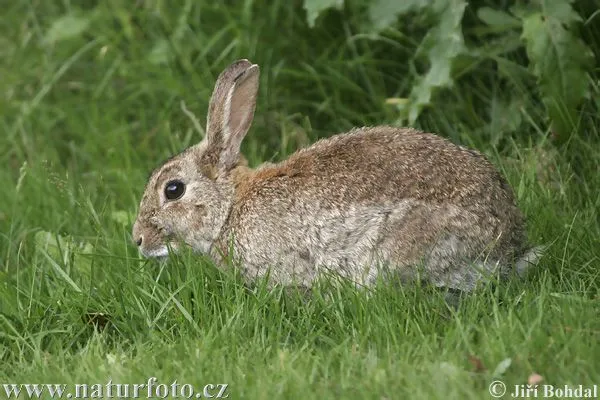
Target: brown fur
<point>370,200</point>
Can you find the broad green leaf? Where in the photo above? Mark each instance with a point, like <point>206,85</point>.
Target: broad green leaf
<point>384,13</point>
<point>498,18</point>
<point>67,27</point>
<point>161,52</point>
<point>561,10</point>
<point>505,117</point>
<point>314,8</point>
<point>559,60</point>
<point>443,44</point>
<point>124,18</point>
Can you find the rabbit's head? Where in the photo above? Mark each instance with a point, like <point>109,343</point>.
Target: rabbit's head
<point>188,198</point>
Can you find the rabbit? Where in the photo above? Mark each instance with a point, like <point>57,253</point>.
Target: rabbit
<point>375,202</point>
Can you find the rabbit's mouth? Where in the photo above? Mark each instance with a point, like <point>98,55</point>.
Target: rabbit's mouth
<point>162,245</point>
<point>153,239</point>
<point>160,252</point>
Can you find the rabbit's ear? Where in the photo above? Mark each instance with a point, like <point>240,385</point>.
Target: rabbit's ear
<point>230,113</point>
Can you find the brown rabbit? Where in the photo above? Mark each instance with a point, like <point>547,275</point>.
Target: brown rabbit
<point>373,202</point>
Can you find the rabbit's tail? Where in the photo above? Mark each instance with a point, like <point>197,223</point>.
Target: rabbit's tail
<point>529,260</point>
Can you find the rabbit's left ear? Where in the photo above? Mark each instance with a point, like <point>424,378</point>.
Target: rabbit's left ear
<point>230,113</point>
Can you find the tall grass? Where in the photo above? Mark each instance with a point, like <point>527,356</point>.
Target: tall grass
<point>92,98</point>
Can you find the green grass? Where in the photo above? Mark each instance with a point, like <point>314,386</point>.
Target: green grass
<point>84,120</point>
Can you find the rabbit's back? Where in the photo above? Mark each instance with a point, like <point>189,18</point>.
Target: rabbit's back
<point>397,197</point>
<point>374,164</point>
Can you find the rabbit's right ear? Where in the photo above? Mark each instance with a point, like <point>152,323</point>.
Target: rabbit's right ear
<point>230,114</point>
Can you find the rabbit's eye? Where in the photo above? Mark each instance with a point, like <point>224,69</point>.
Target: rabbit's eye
<point>174,190</point>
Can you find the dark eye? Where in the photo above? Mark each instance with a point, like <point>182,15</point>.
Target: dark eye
<point>174,190</point>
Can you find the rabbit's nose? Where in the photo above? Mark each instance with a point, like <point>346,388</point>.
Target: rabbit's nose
<point>139,241</point>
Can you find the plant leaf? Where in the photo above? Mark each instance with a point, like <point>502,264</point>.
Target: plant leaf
<point>443,44</point>
<point>161,52</point>
<point>384,13</point>
<point>67,27</point>
<point>559,60</point>
<point>498,18</point>
<point>505,117</point>
<point>314,8</point>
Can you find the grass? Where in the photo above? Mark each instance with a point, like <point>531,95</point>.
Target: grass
<point>85,117</point>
